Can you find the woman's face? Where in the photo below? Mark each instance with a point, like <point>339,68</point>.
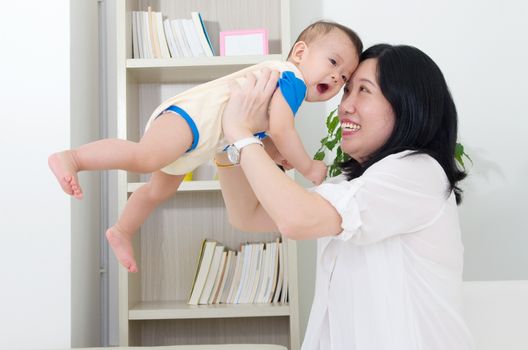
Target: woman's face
<point>366,117</point>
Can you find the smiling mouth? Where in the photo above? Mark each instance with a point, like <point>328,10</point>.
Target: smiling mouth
<point>322,88</point>
<point>349,126</point>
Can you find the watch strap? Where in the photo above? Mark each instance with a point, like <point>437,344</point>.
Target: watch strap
<point>246,142</point>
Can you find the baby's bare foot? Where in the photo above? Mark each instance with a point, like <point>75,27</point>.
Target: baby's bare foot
<point>121,244</point>
<point>64,168</point>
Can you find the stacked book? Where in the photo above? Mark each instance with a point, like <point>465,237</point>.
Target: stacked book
<point>257,273</point>
<point>156,37</point>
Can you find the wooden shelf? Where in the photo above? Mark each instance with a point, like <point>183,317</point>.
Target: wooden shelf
<point>181,310</point>
<point>190,69</point>
<point>186,186</point>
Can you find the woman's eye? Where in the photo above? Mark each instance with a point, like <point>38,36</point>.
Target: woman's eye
<point>333,62</point>
<point>363,89</point>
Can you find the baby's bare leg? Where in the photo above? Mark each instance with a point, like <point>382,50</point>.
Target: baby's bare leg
<point>165,141</point>
<point>139,206</point>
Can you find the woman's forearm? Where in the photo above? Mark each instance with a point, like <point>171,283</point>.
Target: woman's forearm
<point>298,213</point>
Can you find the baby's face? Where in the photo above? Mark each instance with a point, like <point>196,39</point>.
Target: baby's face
<point>327,64</point>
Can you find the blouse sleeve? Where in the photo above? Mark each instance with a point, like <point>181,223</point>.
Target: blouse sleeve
<point>398,195</point>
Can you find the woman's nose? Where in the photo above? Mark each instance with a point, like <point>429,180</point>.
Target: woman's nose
<point>346,107</point>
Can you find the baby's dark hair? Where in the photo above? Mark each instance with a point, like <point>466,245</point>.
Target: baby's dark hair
<point>316,29</point>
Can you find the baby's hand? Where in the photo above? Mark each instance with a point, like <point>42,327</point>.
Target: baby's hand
<point>317,172</point>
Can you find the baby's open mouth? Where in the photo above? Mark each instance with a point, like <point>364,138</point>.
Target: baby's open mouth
<point>322,88</point>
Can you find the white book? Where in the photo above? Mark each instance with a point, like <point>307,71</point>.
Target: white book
<point>164,47</point>
<point>236,278</point>
<point>278,288</point>
<point>263,275</point>
<point>258,273</point>
<point>244,274</point>
<point>145,34</point>
<point>211,276</point>
<point>230,278</point>
<point>284,293</point>
<point>227,272</point>
<point>219,277</point>
<point>192,38</point>
<point>202,270</point>
<point>272,278</point>
<point>171,40</point>
<point>178,33</point>
<point>153,32</point>
<point>141,40</point>
<point>135,47</point>
<point>248,282</point>
<point>202,33</point>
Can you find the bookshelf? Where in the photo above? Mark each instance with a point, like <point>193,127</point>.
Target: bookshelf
<point>153,307</point>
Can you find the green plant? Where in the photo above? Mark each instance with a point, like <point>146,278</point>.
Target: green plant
<point>330,141</point>
<point>333,138</point>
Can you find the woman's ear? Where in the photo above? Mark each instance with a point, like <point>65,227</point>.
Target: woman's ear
<point>298,51</point>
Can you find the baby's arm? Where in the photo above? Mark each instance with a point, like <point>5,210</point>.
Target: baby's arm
<point>286,139</point>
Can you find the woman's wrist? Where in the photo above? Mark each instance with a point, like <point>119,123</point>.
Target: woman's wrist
<point>237,134</point>
<point>222,161</point>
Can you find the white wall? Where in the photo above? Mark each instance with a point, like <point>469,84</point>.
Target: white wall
<point>36,242</point>
<point>482,49</point>
<point>35,220</point>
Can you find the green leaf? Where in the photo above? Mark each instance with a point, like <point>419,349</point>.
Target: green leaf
<point>319,155</point>
<point>332,144</point>
<point>332,125</point>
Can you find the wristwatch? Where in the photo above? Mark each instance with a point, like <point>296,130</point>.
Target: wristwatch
<point>234,149</point>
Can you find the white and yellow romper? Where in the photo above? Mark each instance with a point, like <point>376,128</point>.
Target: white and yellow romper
<point>202,107</point>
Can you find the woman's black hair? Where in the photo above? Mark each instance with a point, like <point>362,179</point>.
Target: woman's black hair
<point>425,114</point>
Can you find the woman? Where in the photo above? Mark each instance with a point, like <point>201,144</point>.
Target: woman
<point>389,261</point>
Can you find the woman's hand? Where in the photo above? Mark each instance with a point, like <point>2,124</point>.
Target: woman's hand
<point>247,109</point>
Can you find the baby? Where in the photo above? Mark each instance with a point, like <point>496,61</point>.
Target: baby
<point>185,131</point>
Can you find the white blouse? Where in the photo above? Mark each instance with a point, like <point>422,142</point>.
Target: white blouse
<point>392,278</point>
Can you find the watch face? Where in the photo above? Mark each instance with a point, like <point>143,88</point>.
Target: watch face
<point>233,154</point>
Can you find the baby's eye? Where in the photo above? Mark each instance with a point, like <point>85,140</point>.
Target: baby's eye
<point>344,78</point>
<point>332,61</point>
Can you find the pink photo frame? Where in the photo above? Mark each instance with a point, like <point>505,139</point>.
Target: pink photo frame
<point>244,42</point>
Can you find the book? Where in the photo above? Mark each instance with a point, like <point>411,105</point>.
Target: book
<point>203,36</point>
<point>238,273</point>
<point>245,272</point>
<point>171,40</point>
<point>272,277</point>
<point>257,275</point>
<point>226,279</point>
<point>192,38</point>
<point>179,34</point>
<point>248,281</point>
<point>164,47</point>
<point>153,32</point>
<point>135,41</point>
<point>145,35</point>
<point>224,299</point>
<point>219,277</point>
<point>211,276</point>
<point>278,287</point>
<point>284,293</point>
<point>264,274</point>
<point>202,270</point>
